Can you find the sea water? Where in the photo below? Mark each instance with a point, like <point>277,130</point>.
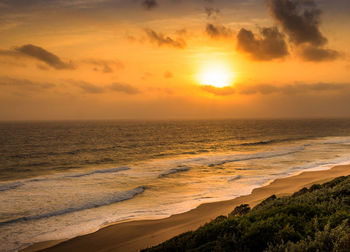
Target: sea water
<point>59,180</point>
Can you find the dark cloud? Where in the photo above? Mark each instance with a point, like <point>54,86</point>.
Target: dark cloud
<point>53,61</point>
<point>300,19</point>
<point>292,89</point>
<point>218,91</point>
<point>162,39</point>
<point>43,55</point>
<point>270,46</point>
<point>217,31</point>
<point>149,4</point>
<point>317,54</point>
<point>124,88</point>
<point>212,12</point>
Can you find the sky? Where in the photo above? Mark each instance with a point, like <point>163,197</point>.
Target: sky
<point>174,59</point>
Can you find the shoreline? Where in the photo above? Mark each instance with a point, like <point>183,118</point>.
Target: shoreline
<point>138,234</point>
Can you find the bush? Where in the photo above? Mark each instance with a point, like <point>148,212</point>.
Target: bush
<point>315,219</point>
<point>240,210</point>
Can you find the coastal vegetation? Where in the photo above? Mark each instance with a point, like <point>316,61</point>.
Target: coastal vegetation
<point>312,219</point>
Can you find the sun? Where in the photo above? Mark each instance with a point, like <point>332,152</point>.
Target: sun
<point>217,74</point>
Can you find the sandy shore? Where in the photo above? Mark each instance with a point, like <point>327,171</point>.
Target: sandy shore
<point>135,235</point>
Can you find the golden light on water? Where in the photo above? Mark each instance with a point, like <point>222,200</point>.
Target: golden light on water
<point>217,74</point>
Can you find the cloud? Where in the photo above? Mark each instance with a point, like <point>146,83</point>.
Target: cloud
<point>10,53</point>
<point>43,55</point>
<point>300,19</point>
<point>217,31</point>
<point>149,4</point>
<point>292,89</point>
<point>287,89</point>
<point>218,91</point>
<point>99,89</point>
<point>317,54</point>
<point>104,66</point>
<point>162,40</point>
<point>25,85</point>
<point>212,12</point>
<point>259,89</point>
<point>89,88</point>
<point>124,88</point>
<point>270,46</point>
<point>51,60</point>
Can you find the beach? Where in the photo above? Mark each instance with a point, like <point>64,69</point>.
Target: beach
<point>136,235</point>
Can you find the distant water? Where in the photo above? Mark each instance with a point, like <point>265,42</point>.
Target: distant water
<point>63,179</point>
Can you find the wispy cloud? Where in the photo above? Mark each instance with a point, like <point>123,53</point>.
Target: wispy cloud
<point>164,40</point>
<point>104,66</point>
<point>124,88</point>
<point>286,89</point>
<point>91,88</point>
<point>292,89</point>
<point>149,4</point>
<point>25,85</point>
<point>218,31</point>
<point>44,56</point>
<point>212,12</point>
<point>218,91</point>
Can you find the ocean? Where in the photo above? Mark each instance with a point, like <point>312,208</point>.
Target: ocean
<point>62,179</point>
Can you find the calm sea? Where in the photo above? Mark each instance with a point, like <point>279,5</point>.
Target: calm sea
<point>63,179</point>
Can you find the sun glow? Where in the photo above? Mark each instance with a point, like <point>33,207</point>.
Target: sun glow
<point>217,74</point>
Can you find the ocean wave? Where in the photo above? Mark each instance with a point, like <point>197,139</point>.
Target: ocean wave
<point>259,155</point>
<point>174,170</point>
<point>119,197</point>
<point>336,140</point>
<point>112,170</point>
<point>238,177</point>
<point>59,153</point>
<point>189,153</point>
<point>272,141</point>
<point>321,164</point>
<point>15,185</point>
<point>10,186</point>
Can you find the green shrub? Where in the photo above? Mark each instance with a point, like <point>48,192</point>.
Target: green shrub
<point>315,219</point>
<point>240,210</point>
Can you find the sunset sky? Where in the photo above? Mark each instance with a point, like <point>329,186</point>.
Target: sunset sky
<point>162,59</point>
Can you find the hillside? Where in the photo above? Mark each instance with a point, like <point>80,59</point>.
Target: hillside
<point>314,219</point>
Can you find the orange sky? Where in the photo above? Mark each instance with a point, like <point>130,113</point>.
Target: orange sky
<point>102,59</point>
